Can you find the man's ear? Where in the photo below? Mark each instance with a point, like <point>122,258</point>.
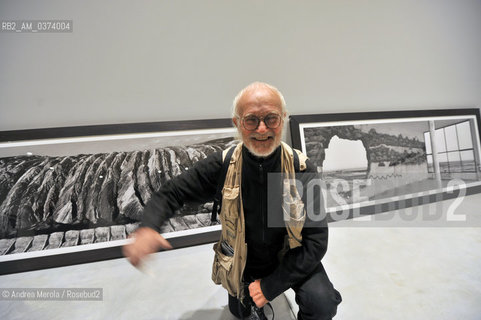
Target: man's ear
<point>235,120</point>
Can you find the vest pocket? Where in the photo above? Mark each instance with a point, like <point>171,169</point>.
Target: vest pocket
<point>294,215</point>
<point>230,211</point>
<point>222,270</point>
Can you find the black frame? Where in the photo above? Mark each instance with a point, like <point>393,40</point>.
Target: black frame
<point>296,121</point>
<point>45,259</point>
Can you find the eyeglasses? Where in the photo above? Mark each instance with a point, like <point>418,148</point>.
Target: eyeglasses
<point>251,123</point>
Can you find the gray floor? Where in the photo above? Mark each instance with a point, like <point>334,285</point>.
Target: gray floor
<point>381,272</point>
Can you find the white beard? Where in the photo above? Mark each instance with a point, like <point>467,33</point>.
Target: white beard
<point>261,154</point>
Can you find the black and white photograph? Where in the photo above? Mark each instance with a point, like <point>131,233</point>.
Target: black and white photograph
<point>371,161</point>
<point>73,192</point>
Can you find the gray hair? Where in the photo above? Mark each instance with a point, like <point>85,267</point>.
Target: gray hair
<point>255,85</point>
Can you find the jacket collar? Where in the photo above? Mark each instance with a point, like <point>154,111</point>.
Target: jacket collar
<point>246,154</point>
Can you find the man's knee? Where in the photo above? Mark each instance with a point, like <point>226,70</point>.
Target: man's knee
<point>317,298</point>
<point>318,304</point>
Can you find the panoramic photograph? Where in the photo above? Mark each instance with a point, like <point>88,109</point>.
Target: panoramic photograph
<point>375,160</point>
<point>78,191</point>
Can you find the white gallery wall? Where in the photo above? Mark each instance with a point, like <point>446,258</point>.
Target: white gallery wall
<point>138,61</point>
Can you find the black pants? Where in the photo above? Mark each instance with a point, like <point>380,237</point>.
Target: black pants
<point>315,295</point>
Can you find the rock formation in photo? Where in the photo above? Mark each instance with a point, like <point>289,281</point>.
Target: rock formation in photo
<point>59,201</point>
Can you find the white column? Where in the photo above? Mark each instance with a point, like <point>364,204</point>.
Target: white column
<point>437,172</point>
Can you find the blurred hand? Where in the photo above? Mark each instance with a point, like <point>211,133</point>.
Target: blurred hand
<point>256,294</point>
<point>145,241</point>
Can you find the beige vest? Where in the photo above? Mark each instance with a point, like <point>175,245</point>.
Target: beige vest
<point>228,270</point>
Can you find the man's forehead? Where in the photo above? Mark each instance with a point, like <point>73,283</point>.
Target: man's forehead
<point>258,97</point>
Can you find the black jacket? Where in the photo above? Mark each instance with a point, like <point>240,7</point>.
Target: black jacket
<point>199,184</point>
